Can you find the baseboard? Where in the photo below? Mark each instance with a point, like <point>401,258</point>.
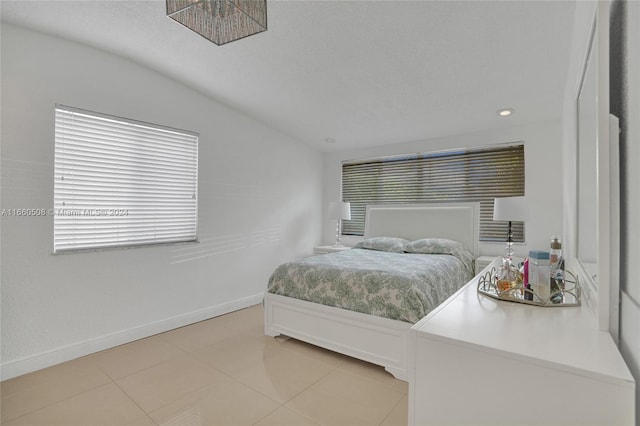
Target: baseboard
<point>32,363</point>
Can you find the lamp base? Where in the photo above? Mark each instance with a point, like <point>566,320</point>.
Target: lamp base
<point>508,252</point>
<point>338,242</point>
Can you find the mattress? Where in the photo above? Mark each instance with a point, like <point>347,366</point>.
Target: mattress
<point>399,286</point>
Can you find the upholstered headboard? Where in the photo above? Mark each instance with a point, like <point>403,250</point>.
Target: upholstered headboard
<point>456,221</point>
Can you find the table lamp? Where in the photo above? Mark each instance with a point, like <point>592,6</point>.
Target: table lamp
<point>510,209</point>
<point>339,211</point>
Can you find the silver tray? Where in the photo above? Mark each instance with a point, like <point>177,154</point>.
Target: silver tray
<point>568,296</point>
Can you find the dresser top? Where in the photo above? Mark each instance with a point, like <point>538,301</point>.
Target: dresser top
<point>564,338</point>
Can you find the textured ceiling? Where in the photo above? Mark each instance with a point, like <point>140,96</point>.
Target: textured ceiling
<point>363,73</point>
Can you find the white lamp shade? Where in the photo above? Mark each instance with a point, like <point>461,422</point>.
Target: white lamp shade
<point>510,209</point>
<point>339,210</point>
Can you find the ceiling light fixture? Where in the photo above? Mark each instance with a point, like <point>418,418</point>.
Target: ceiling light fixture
<point>505,112</point>
<point>220,21</point>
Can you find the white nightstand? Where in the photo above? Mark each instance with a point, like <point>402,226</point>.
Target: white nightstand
<point>328,249</point>
<point>482,262</point>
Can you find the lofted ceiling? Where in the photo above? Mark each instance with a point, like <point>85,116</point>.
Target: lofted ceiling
<point>359,73</point>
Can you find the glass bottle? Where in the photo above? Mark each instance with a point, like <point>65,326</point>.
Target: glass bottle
<point>539,274</point>
<point>527,290</point>
<point>557,270</point>
<point>507,276</point>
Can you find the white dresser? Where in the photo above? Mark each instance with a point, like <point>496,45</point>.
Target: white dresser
<point>476,360</point>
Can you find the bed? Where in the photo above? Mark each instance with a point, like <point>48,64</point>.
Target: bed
<point>377,334</point>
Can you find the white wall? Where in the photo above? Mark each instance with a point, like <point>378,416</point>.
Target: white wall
<point>625,93</point>
<point>543,174</point>
<point>259,205</point>
<point>625,103</point>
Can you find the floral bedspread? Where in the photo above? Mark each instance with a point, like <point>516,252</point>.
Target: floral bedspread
<point>399,286</point>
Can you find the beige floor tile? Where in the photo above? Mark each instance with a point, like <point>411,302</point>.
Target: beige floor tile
<point>199,335</point>
<point>159,385</point>
<point>21,383</point>
<point>214,330</point>
<point>399,416</point>
<point>219,371</point>
<point>227,402</point>
<point>248,319</point>
<point>42,388</point>
<point>342,398</point>
<point>239,353</point>
<point>286,417</point>
<point>106,405</point>
<point>136,356</point>
<point>245,325</point>
<point>284,376</point>
<point>374,372</point>
<point>315,352</point>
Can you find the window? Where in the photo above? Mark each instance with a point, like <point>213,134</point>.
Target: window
<point>121,183</point>
<point>461,175</point>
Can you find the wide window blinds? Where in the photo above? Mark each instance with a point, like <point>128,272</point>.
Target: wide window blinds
<point>462,175</point>
<point>122,183</point>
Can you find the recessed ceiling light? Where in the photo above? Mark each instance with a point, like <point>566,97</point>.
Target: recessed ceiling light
<point>330,140</point>
<point>505,112</point>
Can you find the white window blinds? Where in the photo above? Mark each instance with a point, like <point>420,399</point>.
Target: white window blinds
<point>122,183</point>
<point>462,175</point>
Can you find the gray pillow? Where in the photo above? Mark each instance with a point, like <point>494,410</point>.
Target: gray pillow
<point>433,246</point>
<point>442,246</point>
<point>390,244</point>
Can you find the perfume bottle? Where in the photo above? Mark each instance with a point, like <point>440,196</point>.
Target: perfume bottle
<point>507,275</point>
<point>539,273</point>
<point>557,270</point>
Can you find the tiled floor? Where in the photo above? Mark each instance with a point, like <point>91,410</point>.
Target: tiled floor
<point>223,371</point>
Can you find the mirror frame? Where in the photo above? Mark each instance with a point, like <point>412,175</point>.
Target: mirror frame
<point>597,281</point>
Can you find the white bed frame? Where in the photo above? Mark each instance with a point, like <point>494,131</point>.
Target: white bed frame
<point>374,339</point>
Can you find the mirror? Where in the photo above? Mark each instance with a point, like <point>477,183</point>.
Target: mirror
<point>597,212</point>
